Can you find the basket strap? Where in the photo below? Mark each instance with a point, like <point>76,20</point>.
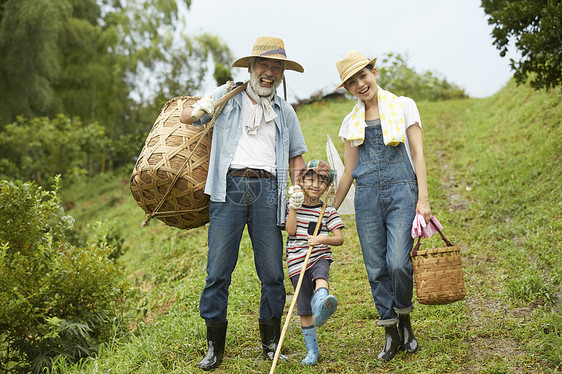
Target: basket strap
<point>202,135</point>
<point>177,212</point>
<point>417,246</point>
<point>449,244</point>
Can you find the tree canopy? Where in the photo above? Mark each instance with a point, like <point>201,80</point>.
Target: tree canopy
<point>395,75</point>
<point>104,64</point>
<point>535,26</point>
<point>98,59</point>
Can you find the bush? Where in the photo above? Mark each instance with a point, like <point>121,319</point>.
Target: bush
<point>40,148</point>
<point>56,299</point>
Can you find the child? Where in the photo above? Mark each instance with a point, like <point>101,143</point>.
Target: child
<point>314,304</point>
<point>384,154</point>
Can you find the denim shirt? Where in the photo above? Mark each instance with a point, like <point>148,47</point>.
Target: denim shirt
<point>289,143</point>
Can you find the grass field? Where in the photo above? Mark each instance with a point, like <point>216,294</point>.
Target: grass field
<point>494,170</point>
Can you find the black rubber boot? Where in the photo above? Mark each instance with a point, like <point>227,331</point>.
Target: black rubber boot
<point>391,343</point>
<point>216,335</point>
<point>408,340</point>
<point>270,332</point>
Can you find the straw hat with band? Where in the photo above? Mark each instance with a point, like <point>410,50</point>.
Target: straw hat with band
<point>271,48</point>
<point>352,63</point>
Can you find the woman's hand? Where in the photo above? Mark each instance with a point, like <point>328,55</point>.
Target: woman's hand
<point>423,208</point>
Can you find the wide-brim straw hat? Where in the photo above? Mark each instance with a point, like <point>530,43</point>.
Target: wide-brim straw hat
<point>271,48</point>
<point>353,62</point>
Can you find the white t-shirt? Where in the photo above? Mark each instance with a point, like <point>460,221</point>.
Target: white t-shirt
<point>255,151</point>
<point>411,117</point>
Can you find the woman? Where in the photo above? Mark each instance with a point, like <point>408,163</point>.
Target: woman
<point>384,154</point>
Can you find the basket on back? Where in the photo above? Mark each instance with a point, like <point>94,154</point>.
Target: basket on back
<point>168,180</point>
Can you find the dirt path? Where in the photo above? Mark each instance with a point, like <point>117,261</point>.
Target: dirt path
<point>487,344</point>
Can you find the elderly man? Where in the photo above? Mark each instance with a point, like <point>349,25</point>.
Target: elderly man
<point>257,143</point>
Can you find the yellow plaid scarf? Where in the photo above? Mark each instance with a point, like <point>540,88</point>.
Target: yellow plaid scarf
<point>391,115</point>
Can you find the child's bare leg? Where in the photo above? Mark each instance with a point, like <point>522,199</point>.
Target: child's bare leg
<point>322,283</point>
<point>306,320</point>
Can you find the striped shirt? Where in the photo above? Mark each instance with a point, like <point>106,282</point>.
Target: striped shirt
<point>297,245</point>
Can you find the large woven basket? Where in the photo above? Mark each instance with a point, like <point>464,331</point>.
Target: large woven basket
<point>168,180</point>
<point>438,273</point>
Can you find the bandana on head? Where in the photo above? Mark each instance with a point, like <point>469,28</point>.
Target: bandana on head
<point>263,109</point>
<point>391,115</point>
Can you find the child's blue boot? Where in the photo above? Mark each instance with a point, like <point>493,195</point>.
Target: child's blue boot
<point>311,343</point>
<point>323,306</point>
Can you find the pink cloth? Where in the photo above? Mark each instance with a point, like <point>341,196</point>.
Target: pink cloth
<point>420,228</point>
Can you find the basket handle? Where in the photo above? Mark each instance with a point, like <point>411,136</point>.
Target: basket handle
<point>417,246</point>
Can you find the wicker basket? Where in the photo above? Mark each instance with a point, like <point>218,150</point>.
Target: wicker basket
<point>168,180</point>
<point>438,273</point>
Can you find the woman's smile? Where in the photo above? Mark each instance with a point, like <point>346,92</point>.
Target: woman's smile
<point>365,91</point>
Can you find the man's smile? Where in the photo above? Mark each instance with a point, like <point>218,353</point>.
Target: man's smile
<point>264,81</point>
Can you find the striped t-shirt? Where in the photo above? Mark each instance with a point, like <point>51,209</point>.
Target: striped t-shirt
<point>297,245</point>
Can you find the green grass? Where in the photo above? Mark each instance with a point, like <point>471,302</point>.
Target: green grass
<point>494,170</point>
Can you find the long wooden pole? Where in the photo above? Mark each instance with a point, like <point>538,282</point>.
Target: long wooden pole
<point>298,288</point>
<point>222,100</point>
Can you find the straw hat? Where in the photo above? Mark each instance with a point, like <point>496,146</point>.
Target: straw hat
<point>271,48</point>
<point>353,62</point>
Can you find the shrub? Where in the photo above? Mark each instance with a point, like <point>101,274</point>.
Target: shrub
<point>40,148</point>
<point>56,299</point>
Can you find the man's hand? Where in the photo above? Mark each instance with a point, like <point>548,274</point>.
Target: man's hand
<point>296,197</point>
<point>205,104</point>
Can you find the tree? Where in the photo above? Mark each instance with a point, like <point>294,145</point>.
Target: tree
<point>29,54</point>
<point>395,75</point>
<point>109,62</point>
<point>91,58</point>
<point>536,28</point>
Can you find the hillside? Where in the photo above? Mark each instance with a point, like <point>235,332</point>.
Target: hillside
<point>494,170</point>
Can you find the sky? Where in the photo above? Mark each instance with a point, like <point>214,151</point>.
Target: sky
<point>450,38</point>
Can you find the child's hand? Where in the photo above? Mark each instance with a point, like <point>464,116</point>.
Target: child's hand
<point>314,240</point>
<point>296,197</point>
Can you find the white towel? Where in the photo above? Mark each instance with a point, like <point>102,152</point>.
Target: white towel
<point>391,115</point>
<point>263,109</point>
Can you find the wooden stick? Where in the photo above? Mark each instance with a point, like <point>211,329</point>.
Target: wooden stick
<point>222,100</point>
<point>298,288</point>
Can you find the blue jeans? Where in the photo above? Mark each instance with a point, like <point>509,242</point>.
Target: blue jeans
<point>251,201</point>
<point>385,206</point>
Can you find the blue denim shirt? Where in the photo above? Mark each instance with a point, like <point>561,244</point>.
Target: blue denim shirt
<point>289,143</point>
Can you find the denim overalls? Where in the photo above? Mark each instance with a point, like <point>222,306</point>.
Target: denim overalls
<point>385,205</point>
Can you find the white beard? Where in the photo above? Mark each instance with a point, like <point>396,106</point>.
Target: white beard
<point>263,91</point>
